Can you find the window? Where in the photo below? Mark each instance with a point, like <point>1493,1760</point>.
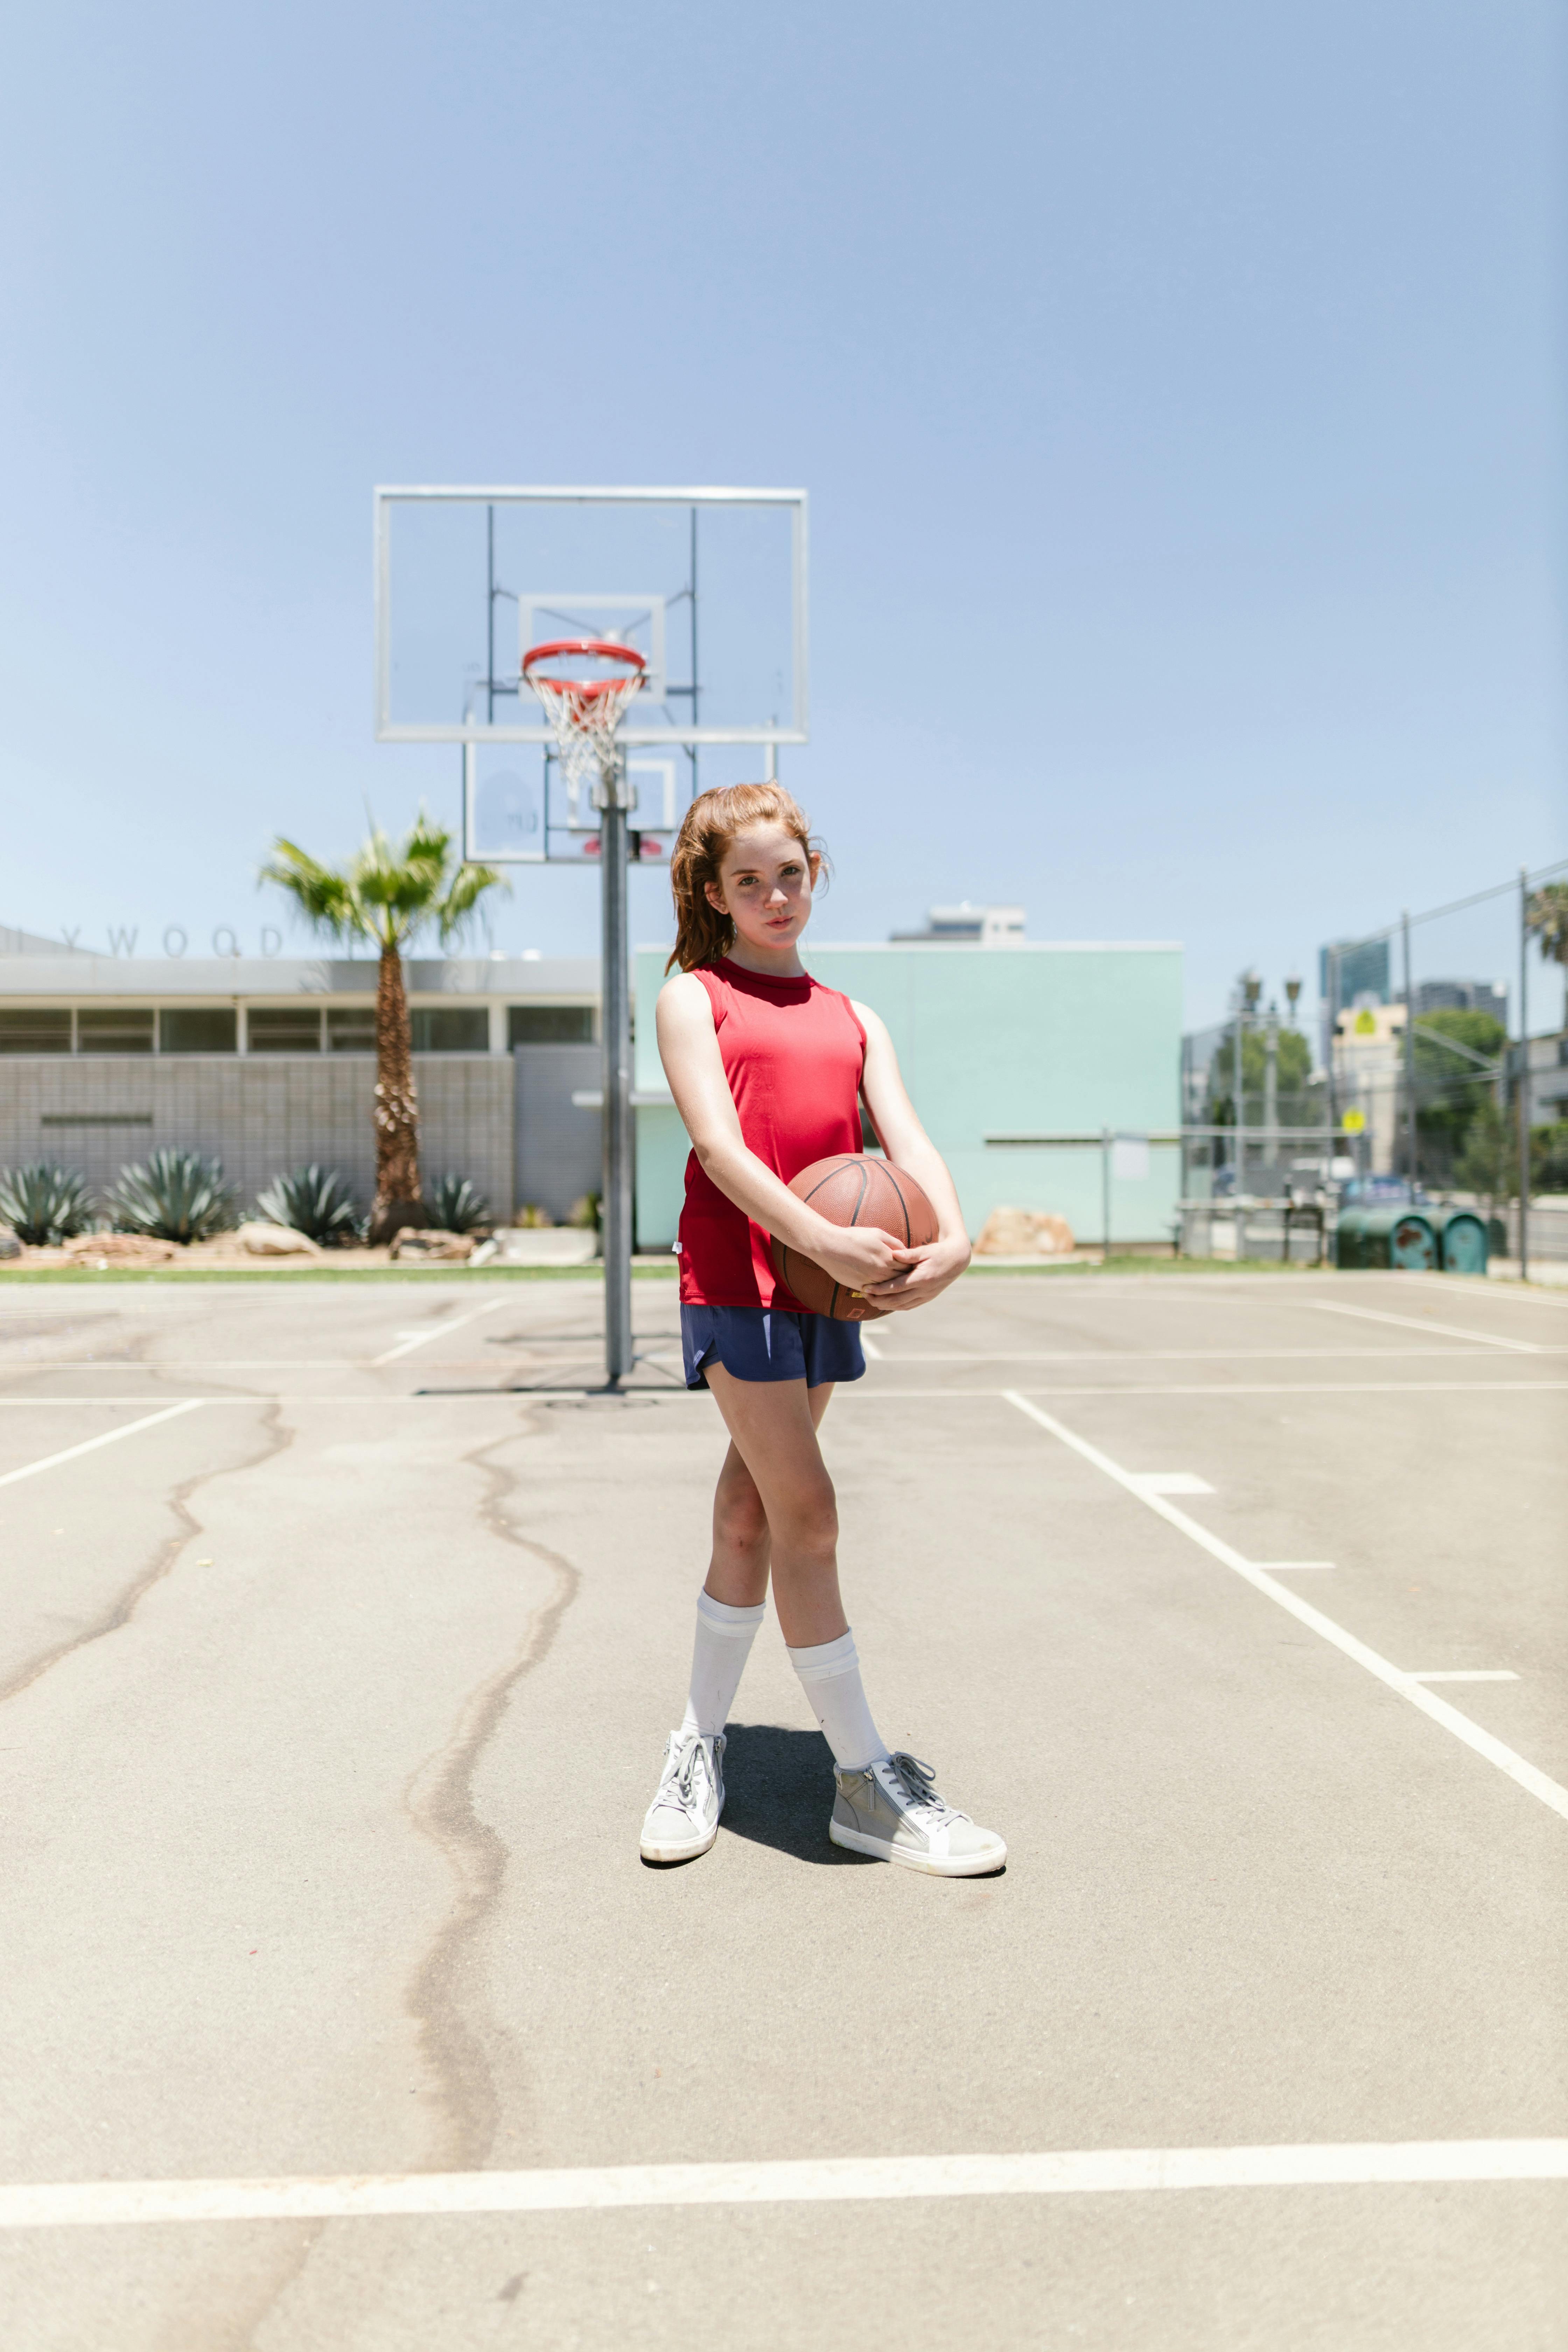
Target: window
<point>197,1029</point>
<point>26,1032</point>
<point>114,1029</point>
<point>350,1029</point>
<point>550,1024</point>
<point>284,1028</point>
<point>451,1029</point>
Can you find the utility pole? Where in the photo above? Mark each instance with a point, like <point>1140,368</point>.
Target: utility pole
<point>1409,1057</point>
<point>1333,958</point>
<point>1523,1075</point>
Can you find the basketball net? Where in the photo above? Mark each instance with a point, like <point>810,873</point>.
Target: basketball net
<point>585,711</point>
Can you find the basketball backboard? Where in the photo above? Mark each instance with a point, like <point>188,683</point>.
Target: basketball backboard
<point>709,585</point>
<point>517,810</point>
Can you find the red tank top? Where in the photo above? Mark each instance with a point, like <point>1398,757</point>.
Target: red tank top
<point>793,1054</point>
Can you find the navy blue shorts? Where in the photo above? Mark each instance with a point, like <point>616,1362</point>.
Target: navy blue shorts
<point>757,1343</point>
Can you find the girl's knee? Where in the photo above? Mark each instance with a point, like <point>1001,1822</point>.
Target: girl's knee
<point>739,1517</point>
<point>814,1517</point>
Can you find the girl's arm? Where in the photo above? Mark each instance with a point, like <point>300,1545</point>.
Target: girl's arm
<point>906,1144</point>
<point>857,1256</point>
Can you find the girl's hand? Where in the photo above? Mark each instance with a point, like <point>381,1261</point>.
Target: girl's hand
<point>926,1271</point>
<point>861,1256</point>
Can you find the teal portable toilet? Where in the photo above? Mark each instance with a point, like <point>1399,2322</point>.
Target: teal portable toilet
<point>1413,1240</point>
<point>1385,1236</point>
<point>1464,1242</point>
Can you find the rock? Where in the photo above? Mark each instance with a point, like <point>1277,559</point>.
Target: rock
<point>119,1249</point>
<point>390,1218</point>
<point>9,1244</point>
<point>275,1241</point>
<point>433,1246</point>
<point>1025,1232</point>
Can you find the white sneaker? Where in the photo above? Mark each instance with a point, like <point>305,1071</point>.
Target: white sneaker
<point>890,1809</point>
<point>683,1818</point>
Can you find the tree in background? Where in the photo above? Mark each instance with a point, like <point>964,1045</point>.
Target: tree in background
<point>1487,1162</point>
<point>1297,1108</point>
<point>1546,915</point>
<point>1549,1158</point>
<point>387,895</point>
<point>1452,1089</point>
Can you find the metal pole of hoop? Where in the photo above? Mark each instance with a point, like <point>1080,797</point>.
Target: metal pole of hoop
<point>584,713</point>
<point>616,1206</point>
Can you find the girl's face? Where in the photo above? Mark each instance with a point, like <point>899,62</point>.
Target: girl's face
<point>764,886</point>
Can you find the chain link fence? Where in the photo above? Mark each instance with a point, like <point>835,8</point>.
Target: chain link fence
<point>1436,1063</point>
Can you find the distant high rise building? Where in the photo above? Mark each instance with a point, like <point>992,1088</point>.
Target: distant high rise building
<point>1353,972</point>
<point>1462,996</point>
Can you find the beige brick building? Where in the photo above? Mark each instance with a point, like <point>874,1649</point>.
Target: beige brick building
<point>268,1062</point>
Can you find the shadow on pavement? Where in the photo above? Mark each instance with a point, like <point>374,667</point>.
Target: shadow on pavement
<point>778,1792</point>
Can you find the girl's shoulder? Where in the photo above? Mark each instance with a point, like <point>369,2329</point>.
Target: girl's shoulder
<point>687,991</point>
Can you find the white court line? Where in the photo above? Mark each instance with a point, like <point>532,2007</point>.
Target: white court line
<point>405,1347</point>
<point>1528,1776</point>
<point>92,1445</point>
<point>612,2187</point>
<point>1185,1355</point>
<point>874,1353</point>
<point>1420,1323</point>
<point>1469,1674</point>
<point>1450,1286</point>
<point>883,1391</point>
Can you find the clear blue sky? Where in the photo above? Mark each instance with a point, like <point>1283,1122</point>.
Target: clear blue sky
<point>1179,390</point>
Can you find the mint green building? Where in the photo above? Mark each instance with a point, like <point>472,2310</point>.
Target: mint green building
<point>1018,1057</point>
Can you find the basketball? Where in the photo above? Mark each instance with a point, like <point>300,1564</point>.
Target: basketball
<point>853,1188</point>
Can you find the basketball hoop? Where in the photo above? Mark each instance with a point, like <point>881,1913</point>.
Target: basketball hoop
<point>584,710</point>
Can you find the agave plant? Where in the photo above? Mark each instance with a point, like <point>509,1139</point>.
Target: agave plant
<point>44,1204</point>
<point>455,1205</point>
<point>314,1200</point>
<point>177,1195</point>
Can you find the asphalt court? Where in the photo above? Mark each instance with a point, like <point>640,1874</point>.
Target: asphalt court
<point>338,1667</point>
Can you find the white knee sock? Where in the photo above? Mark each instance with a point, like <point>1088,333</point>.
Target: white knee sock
<point>724,1638</point>
<point>830,1676</point>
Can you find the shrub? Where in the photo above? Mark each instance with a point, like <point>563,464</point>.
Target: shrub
<point>1549,1158</point>
<point>177,1195</point>
<point>457,1206</point>
<point>584,1213</point>
<point>43,1205</point>
<point>314,1200</point>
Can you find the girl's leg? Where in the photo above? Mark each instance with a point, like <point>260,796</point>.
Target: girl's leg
<point>793,1523</point>
<point>729,1606</point>
<point>773,1429</point>
<point>738,1570</point>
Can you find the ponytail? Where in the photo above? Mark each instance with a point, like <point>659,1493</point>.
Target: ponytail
<point>702,934</point>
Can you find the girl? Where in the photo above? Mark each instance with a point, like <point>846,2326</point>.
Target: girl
<point>767,1068</point>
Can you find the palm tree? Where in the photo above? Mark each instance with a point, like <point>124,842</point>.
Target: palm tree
<point>386,894</point>
<point>1546,914</point>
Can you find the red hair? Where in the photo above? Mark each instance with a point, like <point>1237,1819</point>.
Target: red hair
<point>702,934</point>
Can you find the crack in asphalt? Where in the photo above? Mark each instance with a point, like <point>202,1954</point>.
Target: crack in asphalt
<point>440,1802</point>
<point>123,1607</point>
